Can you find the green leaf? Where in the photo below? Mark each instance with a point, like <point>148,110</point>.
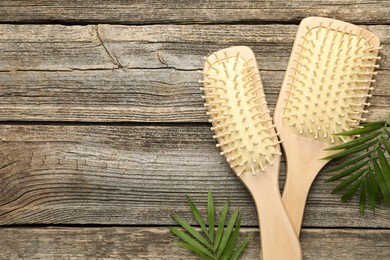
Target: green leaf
<point>191,230</point>
<point>384,166</point>
<point>348,162</point>
<point>370,192</point>
<point>241,248</point>
<point>387,145</point>
<point>381,182</point>
<point>381,123</point>
<point>350,151</point>
<point>193,249</point>
<point>360,131</point>
<point>221,225</point>
<point>362,199</point>
<point>224,241</point>
<point>210,214</point>
<point>197,216</point>
<point>386,129</point>
<point>347,171</point>
<point>348,194</point>
<point>227,233</point>
<point>232,241</point>
<point>353,143</point>
<point>374,185</point>
<point>189,240</point>
<point>348,181</point>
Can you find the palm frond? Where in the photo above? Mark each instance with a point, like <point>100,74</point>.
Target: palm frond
<point>241,247</point>
<point>197,216</point>
<point>227,233</point>
<point>366,167</point>
<point>221,225</point>
<point>362,199</point>
<point>208,243</point>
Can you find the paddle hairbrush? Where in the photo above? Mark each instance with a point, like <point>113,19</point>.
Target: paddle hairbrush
<point>324,92</point>
<point>246,136</point>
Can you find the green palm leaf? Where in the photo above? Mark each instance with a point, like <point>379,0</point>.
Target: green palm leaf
<point>386,143</point>
<point>241,248</point>
<point>349,180</point>
<point>364,130</point>
<point>348,162</point>
<point>205,243</point>
<point>355,142</point>
<point>197,216</point>
<point>191,230</point>
<point>347,171</point>
<point>385,167</point>
<point>366,165</point>
<point>358,148</point>
<point>381,182</point>
<point>232,242</point>
<point>370,192</point>
<point>374,185</point>
<point>348,194</point>
<point>362,199</point>
<point>221,225</point>
<point>227,233</point>
<point>189,240</point>
<point>380,123</point>
<point>193,249</point>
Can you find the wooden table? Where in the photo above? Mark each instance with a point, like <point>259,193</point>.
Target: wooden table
<point>103,130</point>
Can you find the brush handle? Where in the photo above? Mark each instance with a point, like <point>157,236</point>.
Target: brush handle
<point>278,238</point>
<point>300,177</point>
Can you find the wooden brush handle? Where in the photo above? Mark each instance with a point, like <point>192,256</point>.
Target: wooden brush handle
<point>278,238</point>
<point>300,177</point>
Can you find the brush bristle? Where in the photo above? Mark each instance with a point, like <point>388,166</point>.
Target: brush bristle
<point>329,83</point>
<point>238,112</point>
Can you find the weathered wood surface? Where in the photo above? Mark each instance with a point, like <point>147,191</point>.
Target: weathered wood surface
<point>96,47</point>
<point>114,172</point>
<point>198,11</point>
<point>137,95</point>
<point>156,243</point>
<point>107,73</point>
<point>98,174</point>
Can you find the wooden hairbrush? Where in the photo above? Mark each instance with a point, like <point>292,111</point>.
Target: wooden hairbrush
<point>324,92</point>
<point>246,136</point>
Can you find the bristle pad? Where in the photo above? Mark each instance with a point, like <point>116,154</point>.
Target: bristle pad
<point>238,112</point>
<point>329,83</point>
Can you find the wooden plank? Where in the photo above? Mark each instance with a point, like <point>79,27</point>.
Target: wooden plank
<point>171,11</point>
<point>138,95</point>
<point>156,243</point>
<point>55,47</point>
<point>184,46</point>
<point>135,73</point>
<point>97,174</point>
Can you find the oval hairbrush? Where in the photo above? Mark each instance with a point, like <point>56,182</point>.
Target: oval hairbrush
<point>324,92</point>
<point>246,136</point>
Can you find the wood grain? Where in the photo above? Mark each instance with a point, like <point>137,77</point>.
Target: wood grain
<point>99,147</point>
<point>97,47</point>
<point>136,174</point>
<point>171,11</point>
<point>137,95</point>
<point>111,73</point>
<point>157,243</point>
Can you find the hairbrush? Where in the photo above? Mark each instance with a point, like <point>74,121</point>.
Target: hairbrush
<point>247,138</point>
<point>324,92</point>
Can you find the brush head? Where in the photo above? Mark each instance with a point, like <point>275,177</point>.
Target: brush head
<point>238,110</point>
<point>328,80</point>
